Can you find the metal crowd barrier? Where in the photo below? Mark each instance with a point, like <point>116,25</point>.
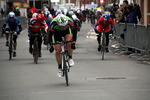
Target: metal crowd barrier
<point>136,36</point>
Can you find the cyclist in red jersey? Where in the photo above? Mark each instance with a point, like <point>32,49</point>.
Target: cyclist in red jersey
<point>35,27</point>
<point>104,22</point>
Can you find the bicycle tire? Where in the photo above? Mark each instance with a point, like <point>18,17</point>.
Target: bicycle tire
<point>10,49</point>
<point>103,47</point>
<point>35,51</point>
<point>65,70</point>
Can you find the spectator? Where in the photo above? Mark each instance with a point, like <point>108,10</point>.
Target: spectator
<point>137,11</point>
<point>33,10</point>
<point>29,13</point>
<point>131,18</point>
<point>125,12</point>
<point>52,11</point>
<point>2,12</point>
<point>17,12</point>
<point>117,12</point>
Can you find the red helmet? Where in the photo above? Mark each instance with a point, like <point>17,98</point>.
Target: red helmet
<point>40,17</point>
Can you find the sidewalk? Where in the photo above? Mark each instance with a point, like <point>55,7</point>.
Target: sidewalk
<point>116,48</point>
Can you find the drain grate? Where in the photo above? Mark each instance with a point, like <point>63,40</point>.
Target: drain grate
<point>111,78</point>
<point>107,78</point>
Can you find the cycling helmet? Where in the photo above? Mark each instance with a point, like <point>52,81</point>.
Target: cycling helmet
<point>46,13</point>
<point>74,17</point>
<point>40,17</point>
<point>34,15</point>
<point>11,15</point>
<point>61,20</point>
<point>106,17</point>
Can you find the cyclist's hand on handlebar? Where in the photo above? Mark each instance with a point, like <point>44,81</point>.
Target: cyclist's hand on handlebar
<point>73,46</point>
<point>96,31</point>
<point>51,49</point>
<point>18,33</point>
<point>111,32</point>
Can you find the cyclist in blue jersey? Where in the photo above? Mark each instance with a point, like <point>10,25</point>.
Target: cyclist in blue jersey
<point>12,23</point>
<point>48,19</point>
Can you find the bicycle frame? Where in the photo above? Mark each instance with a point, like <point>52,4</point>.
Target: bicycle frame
<point>64,59</point>
<point>103,43</point>
<point>35,49</point>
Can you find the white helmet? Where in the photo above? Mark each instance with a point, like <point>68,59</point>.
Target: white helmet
<point>61,20</point>
<point>34,15</point>
<point>74,17</point>
<point>11,14</point>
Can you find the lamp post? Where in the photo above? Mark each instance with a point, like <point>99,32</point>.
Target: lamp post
<point>33,3</point>
<point>84,4</point>
<point>98,3</point>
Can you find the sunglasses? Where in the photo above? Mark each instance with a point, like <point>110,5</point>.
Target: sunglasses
<point>11,17</point>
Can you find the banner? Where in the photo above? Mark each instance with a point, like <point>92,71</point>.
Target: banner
<point>55,0</point>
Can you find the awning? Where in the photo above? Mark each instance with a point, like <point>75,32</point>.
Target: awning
<point>16,0</point>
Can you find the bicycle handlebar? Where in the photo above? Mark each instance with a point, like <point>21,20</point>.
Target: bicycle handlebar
<point>36,26</point>
<point>62,42</point>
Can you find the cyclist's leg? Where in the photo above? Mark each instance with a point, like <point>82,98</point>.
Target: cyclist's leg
<point>31,42</point>
<point>99,39</point>
<point>68,37</point>
<point>57,37</point>
<point>15,45</point>
<point>107,42</point>
<point>99,42</point>
<point>7,34</point>
<point>15,41</point>
<point>39,43</point>
<point>107,29</point>
<point>58,54</point>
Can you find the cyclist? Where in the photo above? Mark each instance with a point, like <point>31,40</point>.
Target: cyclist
<point>11,24</point>
<point>104,22</point>
<point>75,20</point>
<point>48,19</point>
<point>62,26</point>
<point>35,27</point>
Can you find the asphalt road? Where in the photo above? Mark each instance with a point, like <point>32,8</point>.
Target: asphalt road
<point>116,78</point>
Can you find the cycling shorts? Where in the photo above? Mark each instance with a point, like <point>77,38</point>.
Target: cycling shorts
<point>57,36</point>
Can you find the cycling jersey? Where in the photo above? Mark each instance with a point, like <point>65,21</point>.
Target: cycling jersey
<point>12,25</point>
<point>49,19</point>
<point>56,29</point>
<point>105,26</point>
<point>36,25</point>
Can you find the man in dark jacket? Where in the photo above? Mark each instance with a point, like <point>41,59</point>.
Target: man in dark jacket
<point>125,12</point>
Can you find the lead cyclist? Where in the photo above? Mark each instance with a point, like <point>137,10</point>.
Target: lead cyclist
<point>62,26</point>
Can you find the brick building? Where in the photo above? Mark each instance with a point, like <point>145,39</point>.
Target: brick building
<point>145,10</point>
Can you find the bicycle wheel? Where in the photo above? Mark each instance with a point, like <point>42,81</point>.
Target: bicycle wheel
<point>35,51</point>
<point>103,47</point>
<point>65,70</point>
<point>10,49</point>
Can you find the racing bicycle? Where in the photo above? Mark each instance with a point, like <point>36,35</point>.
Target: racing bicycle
<point>64,59</point>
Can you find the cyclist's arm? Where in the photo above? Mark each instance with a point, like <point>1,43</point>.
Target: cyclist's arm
<point>19,25</point>
<point>5,23</point>
<point>51,32</point>
<point>112,25</point>
<point>45,26</point>
<point>73,31</point>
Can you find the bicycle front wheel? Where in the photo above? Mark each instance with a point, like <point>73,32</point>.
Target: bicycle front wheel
<point>10,50</point>
<point>65,70</point>
<point>103,48</point>
<point>35,51</point>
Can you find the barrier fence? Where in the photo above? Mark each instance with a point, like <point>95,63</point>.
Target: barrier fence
<point>136,36</point>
